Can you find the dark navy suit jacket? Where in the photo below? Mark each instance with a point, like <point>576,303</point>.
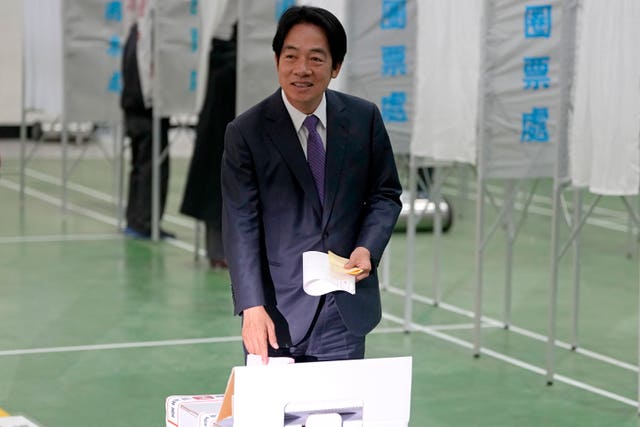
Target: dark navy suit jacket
<point>272,213</point>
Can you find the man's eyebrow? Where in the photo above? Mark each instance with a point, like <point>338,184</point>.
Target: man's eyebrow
<point>315,49</point>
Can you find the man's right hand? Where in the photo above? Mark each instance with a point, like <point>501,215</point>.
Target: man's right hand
<point>257,330</point>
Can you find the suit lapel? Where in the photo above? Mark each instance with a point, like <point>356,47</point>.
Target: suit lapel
<point>337,137</point>
<point>281,132</point>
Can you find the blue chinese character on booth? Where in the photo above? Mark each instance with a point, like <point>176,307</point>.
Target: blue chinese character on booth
<point>394,14</point>
<point>537,21</point>
<point>193,80</point>
<point>534,126</point>
<point>113,11</point>
<point>193,7</point>
<point>393,107</point>
<point>115,82</point>
<point>194,39</point>
<point>282,5</point>
<point>393,62</point>
<point>536,71</point>
<point>115,48</point>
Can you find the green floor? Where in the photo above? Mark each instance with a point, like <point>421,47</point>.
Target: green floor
<point>97,329</point>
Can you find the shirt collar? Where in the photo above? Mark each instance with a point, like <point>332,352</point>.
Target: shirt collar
<point>297,116</point>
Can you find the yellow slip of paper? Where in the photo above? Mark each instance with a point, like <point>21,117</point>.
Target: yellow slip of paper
<point>337,264</point>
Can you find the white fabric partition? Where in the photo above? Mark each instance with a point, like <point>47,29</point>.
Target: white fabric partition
<point>43,56</point>
<point>92,46</point>
<point>256,73</point>
<point>521,99</point>
<point>177,42</point>
<point>448,64</point>
<point>382,38</point>
<point>605,129</point>
<point>73,44</point>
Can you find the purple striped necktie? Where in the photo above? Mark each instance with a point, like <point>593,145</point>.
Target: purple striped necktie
<point>315,154</point>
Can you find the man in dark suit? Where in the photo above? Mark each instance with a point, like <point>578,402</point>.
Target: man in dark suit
<point>307,169</point>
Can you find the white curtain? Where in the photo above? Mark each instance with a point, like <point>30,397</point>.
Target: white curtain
<point>448,63</point>
<point>605,129</point>
<point>43,56</point>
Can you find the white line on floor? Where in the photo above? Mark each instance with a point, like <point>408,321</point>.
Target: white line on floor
<point>116,346</point>
<point>59,238</point>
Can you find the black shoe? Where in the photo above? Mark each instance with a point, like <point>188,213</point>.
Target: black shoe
<point>136,234</point>
<point>146,235</point>
<point>218,264</point>
<point>164,234</point>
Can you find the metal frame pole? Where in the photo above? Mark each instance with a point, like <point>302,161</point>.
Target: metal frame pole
<point>155,177</point>
<point>120,162</point>
<point>509,199</point>
<point>411,239</point>
<point>479,260</point>
<point>575,309</point>
<point>436,197</point>
<point>196,240</point>
<point>569,9</point>
<point>155,134</point>
<point>480,190</point>
<point>23,142</point>
<point>63,118</point>
<point>553,281</point>
<point>385,267</point>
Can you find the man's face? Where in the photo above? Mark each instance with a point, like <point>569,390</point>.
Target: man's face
<point>304,67</point>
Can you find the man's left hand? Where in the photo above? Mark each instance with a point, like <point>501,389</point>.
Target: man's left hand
<point>361,258</point>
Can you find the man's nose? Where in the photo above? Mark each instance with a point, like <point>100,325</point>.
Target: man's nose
<point>302,67</point>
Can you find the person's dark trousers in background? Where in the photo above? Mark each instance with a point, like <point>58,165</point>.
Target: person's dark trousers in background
<point>139,131</point>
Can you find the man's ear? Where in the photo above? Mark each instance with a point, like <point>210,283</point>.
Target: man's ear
<point>275,56</point>
<point>336,71</point>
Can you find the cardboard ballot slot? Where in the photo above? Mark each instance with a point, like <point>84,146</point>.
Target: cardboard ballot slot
<point>343,413</point>
<point>324,420</point>
<point>364,393</point>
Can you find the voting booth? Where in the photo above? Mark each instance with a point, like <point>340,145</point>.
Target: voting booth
<point>350,393</point>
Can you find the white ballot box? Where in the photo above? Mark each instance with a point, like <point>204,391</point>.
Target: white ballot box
<point>365,393</point>
<point>350,393</point>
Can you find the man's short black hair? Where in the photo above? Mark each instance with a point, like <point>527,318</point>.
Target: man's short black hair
<point>322,18</point>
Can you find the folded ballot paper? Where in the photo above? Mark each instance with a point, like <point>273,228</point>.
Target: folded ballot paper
<point>324,272</point>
